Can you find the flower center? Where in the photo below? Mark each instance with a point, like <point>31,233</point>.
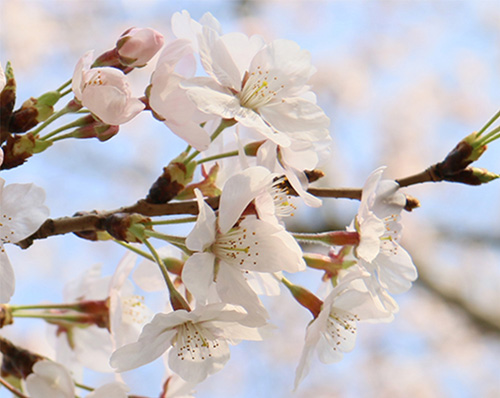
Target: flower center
<point>339,325</point>
<point>258,89</point>
<point>237,247</point>
<point>194,343</point>
<point>282,205</point>
<point>134,310</point>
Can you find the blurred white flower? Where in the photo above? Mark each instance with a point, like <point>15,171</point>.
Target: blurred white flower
<point>137,46</point>
<point>92,345</point>
<point>105,92</point>
<point>50,380</point>
<point>199,341</point>
<point>22,212</point>
<point>3,79</point>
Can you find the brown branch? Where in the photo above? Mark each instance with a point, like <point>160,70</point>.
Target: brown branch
<point>96,221</point>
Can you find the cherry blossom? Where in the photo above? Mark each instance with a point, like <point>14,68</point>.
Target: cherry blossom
<point>379,227</point>
<point>21,213</point>
<point>333,332</point>
<point>105,92</point>
<point>225,248</point>
<point>262,86</point>
<point>199,341</point>
<point>137,46</point>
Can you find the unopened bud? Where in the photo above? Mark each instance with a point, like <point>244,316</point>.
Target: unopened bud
<point>473,176</point>
<point>96,129</point>
<point>33,111</point>
<point>7,101</point>
<point>137,46</point>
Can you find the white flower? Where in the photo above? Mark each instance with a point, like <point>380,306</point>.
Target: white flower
<point>379,229</point>
<point>224,251</point>
<point>199,341</point>
<point>262,86</point>
<point>105,92</point>
<point>170,101</point>
<point>137,46</point>
<point>110,390</point>
<point>3,79</point>
<point>92,345</point>
<point>333,332</point>
<point>22,212</point>
<point>50,380</point>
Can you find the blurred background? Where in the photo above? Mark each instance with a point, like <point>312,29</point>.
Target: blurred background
<point>402,82</point>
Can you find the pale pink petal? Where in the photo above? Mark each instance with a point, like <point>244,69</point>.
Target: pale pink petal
<point>203,233</point>
<point>198,275</point>
<point>238,191</point>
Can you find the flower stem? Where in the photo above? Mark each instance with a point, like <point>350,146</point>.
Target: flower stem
<point>54,317</point>
<point>173,221</point>
<point>219,156</point>
<point>69,90</point>
<point>76,123</point>
<point>49,120</point>
<point>72,306</point>
<point>491,136</point>
<point>222,126</point>
<point>135,250</point>
<point>64,85</point>
<point>178,302</point>
<point>335,238</point>
<point>174,240</point>
<point>489,123</point>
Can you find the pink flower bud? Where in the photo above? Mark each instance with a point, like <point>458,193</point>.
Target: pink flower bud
<point>105,92</point>
<point>137,46</point>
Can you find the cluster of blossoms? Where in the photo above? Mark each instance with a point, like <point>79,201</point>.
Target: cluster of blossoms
<point>233,254</point>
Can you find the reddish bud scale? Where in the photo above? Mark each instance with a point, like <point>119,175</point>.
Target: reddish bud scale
<point>7,102</point>
<point>5,315</point>
<point>17,149</point>
<point>24,119</point>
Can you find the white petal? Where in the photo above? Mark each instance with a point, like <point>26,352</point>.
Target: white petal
<point>217,60</point>
<point>396,271</point>
<point>232,288</point>
<point>93,347</point>
<point>203,233</point>
<point>110,390</point>
<point>238,191</point>
<point>22,211</point>
<point>123,270</point>
<point>198,275</point>
<point>297,117</point>
<point>7,279</point>
<point>371,230</point>
<point>50,380</point>
<point>155,339</point>
<point>213,101</point>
